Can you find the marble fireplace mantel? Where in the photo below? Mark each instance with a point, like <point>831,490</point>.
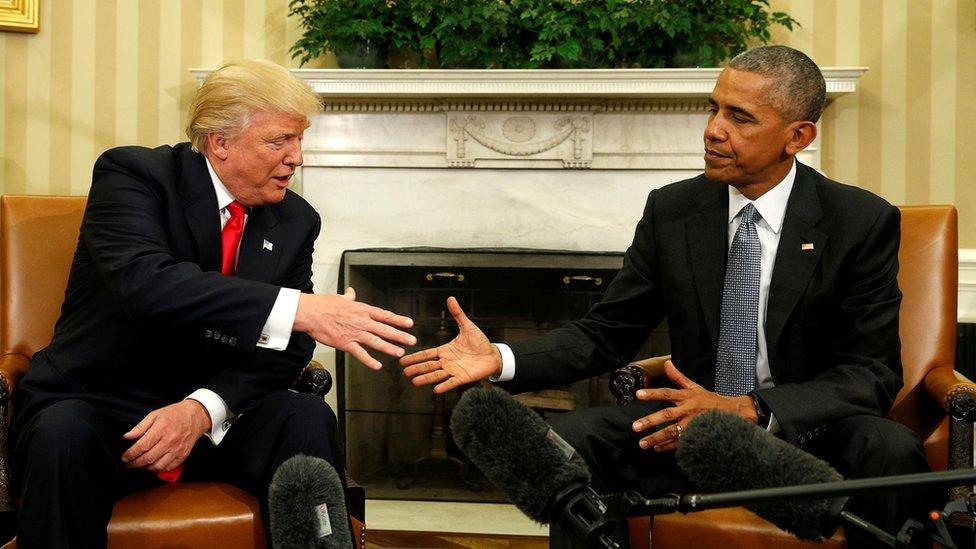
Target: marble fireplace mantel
<point>613,119</point>
<point>545,84</point>
<point>528,119</point>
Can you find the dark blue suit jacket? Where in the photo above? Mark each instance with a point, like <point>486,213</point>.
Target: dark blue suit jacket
<point>147,316</point>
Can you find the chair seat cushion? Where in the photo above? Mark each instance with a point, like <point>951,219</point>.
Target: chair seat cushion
<point>731,528</point>
<point>187,515</point>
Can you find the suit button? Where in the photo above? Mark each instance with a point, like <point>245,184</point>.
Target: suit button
<point>207,333</point>
<point>224,339</point>
<point>216,335</point>
<point>232,341</point>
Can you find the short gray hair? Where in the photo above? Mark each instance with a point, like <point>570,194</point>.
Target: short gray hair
<point>796,85</point>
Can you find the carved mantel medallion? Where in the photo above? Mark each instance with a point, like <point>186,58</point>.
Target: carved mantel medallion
<point>476,138</point>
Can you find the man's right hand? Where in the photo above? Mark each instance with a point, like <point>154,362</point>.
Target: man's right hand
<point>165,436</point>
<point>343,323</point>
<point>467,358</point>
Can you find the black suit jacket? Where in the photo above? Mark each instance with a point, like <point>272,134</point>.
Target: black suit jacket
<point>832,314</point>
<point>147,316</point>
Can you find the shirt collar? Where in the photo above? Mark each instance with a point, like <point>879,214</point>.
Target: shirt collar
<point>223,195</point>
<point>771,205</point>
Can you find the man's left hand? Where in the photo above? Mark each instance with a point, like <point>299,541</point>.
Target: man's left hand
<point>165,436</point>
<point>690,399</point>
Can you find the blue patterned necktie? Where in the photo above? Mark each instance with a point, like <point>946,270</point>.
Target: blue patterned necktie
<point>735,365</point>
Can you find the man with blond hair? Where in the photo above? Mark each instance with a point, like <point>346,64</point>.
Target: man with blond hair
<point>188,313</point>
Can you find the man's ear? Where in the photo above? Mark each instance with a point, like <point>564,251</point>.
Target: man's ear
<point>217,145</point>
<point>802,133</point>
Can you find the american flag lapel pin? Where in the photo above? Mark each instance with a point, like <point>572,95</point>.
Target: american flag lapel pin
<point>268,246</point>
<point>806,246</point>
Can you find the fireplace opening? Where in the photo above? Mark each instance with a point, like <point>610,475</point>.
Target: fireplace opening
<point>396,437</point>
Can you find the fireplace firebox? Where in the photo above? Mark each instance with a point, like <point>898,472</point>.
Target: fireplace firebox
<point>396,437</point>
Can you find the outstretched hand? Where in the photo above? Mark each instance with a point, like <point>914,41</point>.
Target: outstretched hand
<point>343,323</point>
<point>467,358</point>
<point>690,399</point>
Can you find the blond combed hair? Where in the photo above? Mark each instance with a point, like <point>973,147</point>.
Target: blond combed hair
<point>228,97</point>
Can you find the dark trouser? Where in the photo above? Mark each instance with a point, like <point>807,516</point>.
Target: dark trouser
<point>858,447</point>
<point>68,467</point>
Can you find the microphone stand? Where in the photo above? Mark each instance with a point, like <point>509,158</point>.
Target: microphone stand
<point>633,504</point>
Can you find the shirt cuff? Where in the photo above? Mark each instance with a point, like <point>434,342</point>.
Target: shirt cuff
<point>773,426</point>
<point>277,330</point>
<point>508,363</point>
<point>221,417</point>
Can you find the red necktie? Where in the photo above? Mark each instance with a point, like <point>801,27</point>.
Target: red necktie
<point>229,241</point>
<point>172,475</point>
<point>231,237</point>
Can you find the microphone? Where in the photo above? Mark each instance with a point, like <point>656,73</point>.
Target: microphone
<point>307,507</point>
<point>723,452</point>
<point>538,470</point>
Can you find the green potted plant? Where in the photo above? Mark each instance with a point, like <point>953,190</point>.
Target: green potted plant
<point>355,30</point>
<point>537,33</point>
<point>470,35</point>
<point>688,36</point>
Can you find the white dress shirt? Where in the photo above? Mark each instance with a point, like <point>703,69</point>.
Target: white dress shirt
<point>772,207</point>
<point>274,335</point>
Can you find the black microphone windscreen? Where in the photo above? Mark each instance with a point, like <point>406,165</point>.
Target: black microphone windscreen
<point>516,450</point>
<point>307,506</point>
<point>723,452</point>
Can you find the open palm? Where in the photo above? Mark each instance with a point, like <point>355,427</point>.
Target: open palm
<point>467,358</point>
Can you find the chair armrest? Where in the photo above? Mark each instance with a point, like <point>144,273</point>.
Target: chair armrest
<point>13,366</point>
<point>952,390</point>
<point>355,499</point>
<point>626,380</point>
<point>956,396</point>
<point>356,508</point>
<point>314,379</point>
<point>358,532</point>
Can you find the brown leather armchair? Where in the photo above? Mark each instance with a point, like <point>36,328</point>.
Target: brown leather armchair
<point>937,402</point>
<point>38,235</point>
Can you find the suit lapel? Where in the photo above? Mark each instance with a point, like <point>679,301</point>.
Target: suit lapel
<point>796,259</point>
<point>707,234</point>
<point>200,211</point>
<point>258,255</point>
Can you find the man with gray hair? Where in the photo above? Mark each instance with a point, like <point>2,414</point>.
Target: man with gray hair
<point>188,313</point>
<point>779,287</point>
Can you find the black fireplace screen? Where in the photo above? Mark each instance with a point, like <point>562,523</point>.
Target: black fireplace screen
<point>396,437</point>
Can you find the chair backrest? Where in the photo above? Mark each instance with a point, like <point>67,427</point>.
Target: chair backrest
<point>929,279</point>
<point>38,236</point>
